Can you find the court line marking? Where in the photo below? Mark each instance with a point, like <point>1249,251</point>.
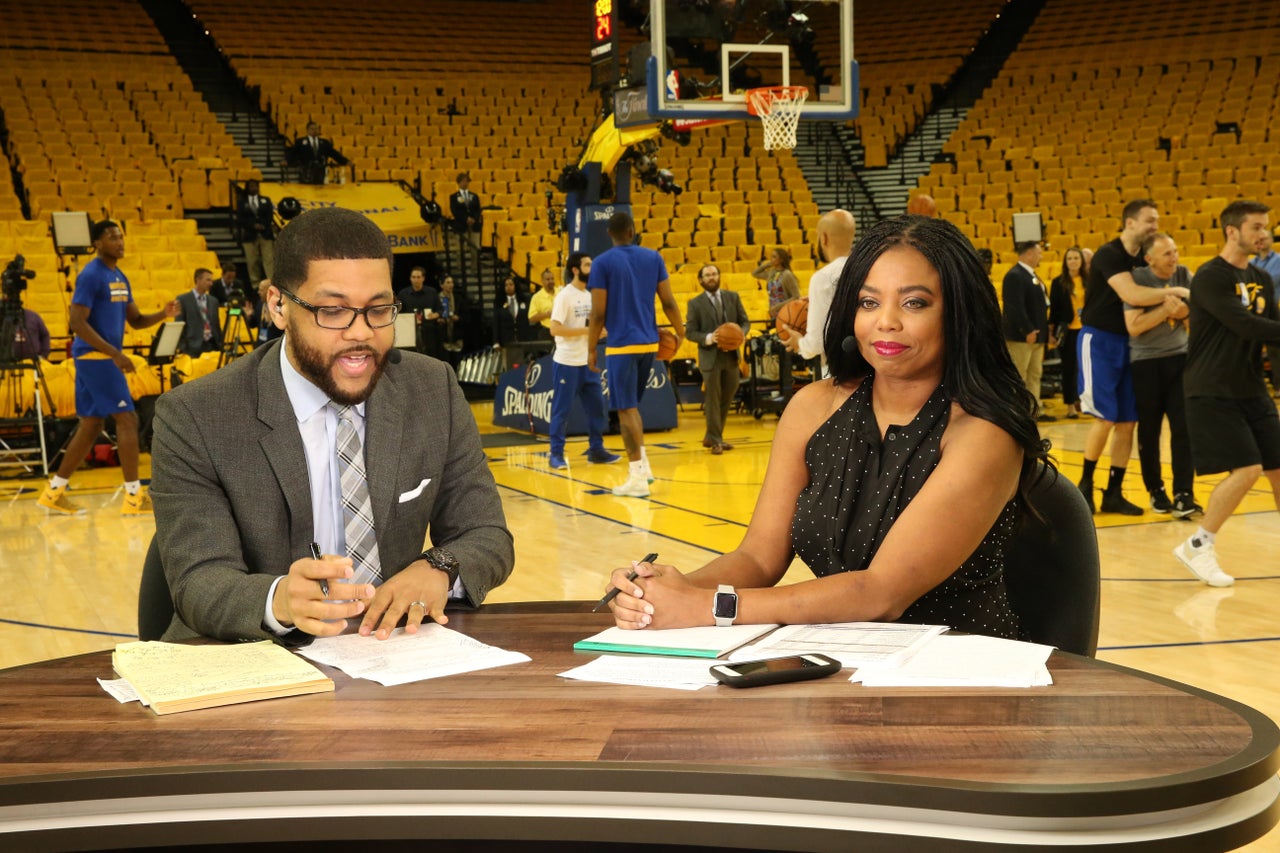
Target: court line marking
<point>1192,643</point>
<point>21,624</point>
<point>615,521</point>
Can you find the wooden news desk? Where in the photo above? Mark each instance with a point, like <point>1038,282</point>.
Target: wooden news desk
<point>1107,756</point>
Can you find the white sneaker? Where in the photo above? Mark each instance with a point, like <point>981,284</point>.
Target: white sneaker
<point>634,487</point>
<point>1203,563</point>
<point>648,473</point>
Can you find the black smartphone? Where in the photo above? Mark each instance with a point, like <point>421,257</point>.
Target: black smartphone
<point>755,673</point>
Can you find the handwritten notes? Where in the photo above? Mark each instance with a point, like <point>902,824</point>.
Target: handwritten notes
<point>171,677</point>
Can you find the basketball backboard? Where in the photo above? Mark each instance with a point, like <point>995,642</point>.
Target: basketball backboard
<point>707,53</point>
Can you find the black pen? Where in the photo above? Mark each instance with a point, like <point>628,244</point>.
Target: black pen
<point>613,593</point>
<point>316,555</point>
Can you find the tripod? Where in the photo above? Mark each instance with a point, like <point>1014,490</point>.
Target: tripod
<point>16,420</point>
<point>232,345</point>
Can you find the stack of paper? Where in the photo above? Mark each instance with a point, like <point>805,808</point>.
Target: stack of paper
<point>852,643</point>
<point>432,652</point>
<point>676,673</point>
<point>969,661</point>
<point>170,677</point>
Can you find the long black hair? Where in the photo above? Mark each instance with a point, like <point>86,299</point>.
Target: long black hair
<point>978,372</point>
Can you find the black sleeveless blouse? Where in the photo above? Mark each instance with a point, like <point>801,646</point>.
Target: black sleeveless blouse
<point>859,485</point>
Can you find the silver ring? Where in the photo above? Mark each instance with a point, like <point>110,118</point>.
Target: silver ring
<point>413,604</point>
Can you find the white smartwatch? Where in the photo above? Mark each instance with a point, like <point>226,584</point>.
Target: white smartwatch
<point>724,606</point>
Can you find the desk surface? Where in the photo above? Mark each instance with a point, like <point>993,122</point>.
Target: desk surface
<point>1107,756</point>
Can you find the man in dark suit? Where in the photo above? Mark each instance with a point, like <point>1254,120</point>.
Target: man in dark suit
<point>324,420</point>
<point>510,322</point>
<point>720,377</point>
<point>465,208</point>
<point>255,218</point>
<point>311,155</point>
<point>1026,318</point>
<point>198,308</point>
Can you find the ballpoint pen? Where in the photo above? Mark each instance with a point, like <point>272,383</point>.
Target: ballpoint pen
<point>613,593</point>
<point>316,555</point>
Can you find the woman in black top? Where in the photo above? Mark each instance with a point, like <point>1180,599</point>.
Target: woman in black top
<point>896,481</point>
<point>1066,295</point>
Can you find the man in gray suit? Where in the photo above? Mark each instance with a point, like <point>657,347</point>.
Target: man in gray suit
<point>707,312</point>
<point>253,465</point>
<point>198,308</point>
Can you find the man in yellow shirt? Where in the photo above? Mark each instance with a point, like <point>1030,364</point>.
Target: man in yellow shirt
<point>540,306</point>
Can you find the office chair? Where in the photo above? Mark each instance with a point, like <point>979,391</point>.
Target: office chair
<point>1052,569</point>
<point>155,605</point>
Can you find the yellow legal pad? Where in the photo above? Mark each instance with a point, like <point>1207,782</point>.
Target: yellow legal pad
<point>172,677</point>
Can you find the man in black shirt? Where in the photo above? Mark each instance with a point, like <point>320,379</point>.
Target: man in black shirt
<point>1232,420</point>
<point>423,302</point>
<point>1106,380</point>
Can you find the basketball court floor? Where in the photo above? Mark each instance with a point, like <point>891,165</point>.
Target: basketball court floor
<point>71,582</point>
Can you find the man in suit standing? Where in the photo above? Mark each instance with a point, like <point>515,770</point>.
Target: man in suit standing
<point>707,312</point>
<point>1026,318</point>
<point>312,153</point>
<point>465,208</point>
<point>256,220</point>
<point>510,322</point>
<point>198,308</point>
<point>331,451</point>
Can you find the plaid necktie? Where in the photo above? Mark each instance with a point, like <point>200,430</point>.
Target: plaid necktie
<point>357,508</point>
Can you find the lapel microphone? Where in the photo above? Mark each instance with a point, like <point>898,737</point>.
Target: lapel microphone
<point>849,344</point>
<point>393,355</point>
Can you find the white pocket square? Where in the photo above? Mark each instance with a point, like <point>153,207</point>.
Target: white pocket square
<point>413,493</point>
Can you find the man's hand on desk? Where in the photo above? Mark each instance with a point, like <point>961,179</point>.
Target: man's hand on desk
<point>300,600</point>
<point>407,592</point>
<point>659,597</point>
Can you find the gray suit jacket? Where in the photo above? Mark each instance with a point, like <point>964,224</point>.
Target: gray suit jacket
<point>233,501</point>
<point>702,321</point>
<point>193,332</point>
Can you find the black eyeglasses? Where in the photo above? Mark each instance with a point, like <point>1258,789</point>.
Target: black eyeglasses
<point>342,317</point>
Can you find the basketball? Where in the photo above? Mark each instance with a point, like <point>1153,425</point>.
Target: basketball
<point>794,314</point>
<point>666,344</point>
<point>730,336</point>
<point>923,205</point>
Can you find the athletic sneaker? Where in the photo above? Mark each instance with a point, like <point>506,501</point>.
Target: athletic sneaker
<point>1160,502</point>
<point>57,501</point>
<point>648,473</point>
<point>1185,506</point>
<point>1086,489</point>
<point>139,504</point>
<point>634,487</point>
<point>601,456</point>
<point>1203,563</point>
<point>558,462</point>
<point>1115,502</point>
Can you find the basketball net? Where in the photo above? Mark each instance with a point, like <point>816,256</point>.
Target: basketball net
<point>779,109</point>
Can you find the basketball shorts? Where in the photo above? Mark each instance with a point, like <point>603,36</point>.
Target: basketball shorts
<point>1106,379</point>
<point>101,389</point>
<point>1228,433</point>
<point>628,375</point>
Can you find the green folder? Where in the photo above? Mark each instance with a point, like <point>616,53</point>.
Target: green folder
<point>676,642</point>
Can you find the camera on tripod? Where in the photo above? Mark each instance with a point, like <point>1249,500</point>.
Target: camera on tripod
<point>235,300</point>
<point>14,279</point>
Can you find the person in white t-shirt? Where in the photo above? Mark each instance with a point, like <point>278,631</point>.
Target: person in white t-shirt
<point>836,230</point>
<point>570,376</point>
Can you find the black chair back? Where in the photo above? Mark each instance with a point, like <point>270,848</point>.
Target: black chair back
<point>155,605</point>
<point>1052,569</point>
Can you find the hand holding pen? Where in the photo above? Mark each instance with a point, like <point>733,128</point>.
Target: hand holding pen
<point>613,593</point>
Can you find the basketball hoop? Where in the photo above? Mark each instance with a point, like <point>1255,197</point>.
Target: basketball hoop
<point>779,110</point>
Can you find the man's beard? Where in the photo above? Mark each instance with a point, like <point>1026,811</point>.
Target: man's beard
<point>311,363</point>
